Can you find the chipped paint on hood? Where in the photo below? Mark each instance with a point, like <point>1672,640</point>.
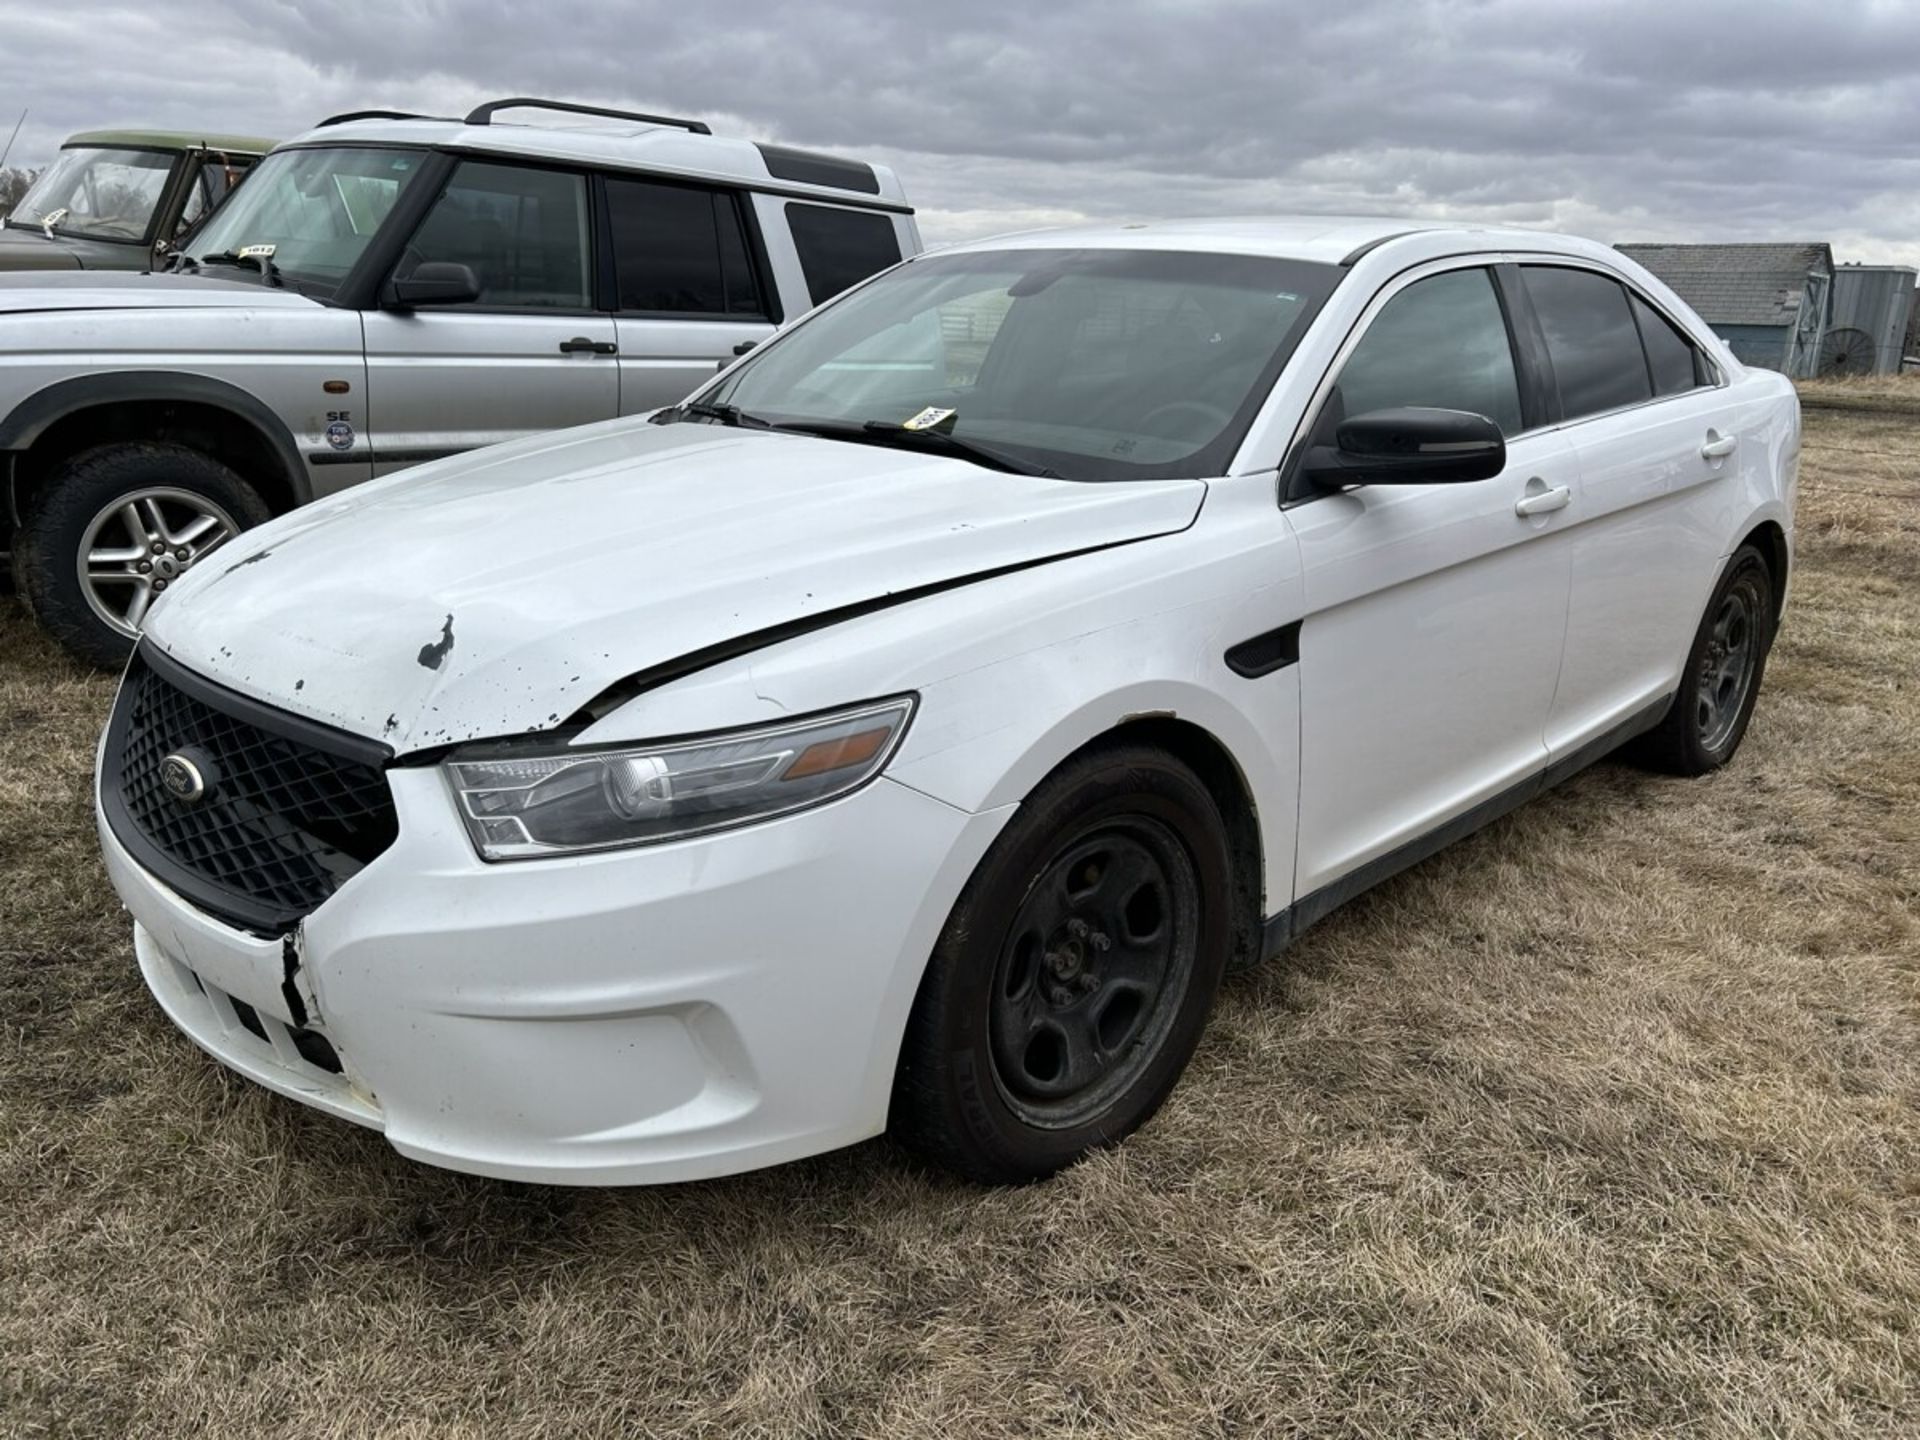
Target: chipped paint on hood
<point>496,593</point>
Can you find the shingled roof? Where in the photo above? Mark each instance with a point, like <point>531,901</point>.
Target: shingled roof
<point>1756,284</point>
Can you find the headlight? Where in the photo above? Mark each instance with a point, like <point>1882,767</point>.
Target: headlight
<point>519,802</point>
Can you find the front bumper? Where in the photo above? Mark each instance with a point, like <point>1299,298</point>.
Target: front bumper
<point>666,1013</point>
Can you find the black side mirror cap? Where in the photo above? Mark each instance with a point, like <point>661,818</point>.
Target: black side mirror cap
<point>433,282</point>
<point>1410,445</point>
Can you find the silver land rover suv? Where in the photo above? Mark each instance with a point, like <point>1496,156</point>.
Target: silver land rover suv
<point>388,289</point>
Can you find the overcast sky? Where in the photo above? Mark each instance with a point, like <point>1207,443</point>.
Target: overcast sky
<point>1684,119</point>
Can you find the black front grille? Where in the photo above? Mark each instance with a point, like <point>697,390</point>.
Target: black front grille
<point>291,809</point>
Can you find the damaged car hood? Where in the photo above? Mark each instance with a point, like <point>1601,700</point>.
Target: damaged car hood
<point>500,593</point>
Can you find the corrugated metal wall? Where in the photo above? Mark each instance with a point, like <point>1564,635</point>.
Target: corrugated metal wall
<point>1876,299</point>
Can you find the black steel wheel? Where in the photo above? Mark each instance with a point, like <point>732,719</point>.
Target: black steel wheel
<point>1075,974</point>
<point>1721,681</point>
<point>1093,970</point>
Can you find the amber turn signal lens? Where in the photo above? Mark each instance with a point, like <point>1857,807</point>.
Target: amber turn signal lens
<point>837,754</point>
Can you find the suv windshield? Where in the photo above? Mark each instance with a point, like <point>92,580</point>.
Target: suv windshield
<point>1092,364</point>
<point>98,194</point>
<point>312,212</point>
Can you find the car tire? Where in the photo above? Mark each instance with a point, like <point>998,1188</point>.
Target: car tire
<point>1075,974</point>
<point>77,509</point>
<point>1721,681</point>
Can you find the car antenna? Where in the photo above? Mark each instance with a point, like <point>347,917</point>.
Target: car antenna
<point>13,137</point>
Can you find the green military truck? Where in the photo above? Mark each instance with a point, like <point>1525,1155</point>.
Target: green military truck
<point>120,199</point>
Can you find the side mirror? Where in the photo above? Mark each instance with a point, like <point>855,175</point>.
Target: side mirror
<point>433,282</point>
<point>1408,446</point>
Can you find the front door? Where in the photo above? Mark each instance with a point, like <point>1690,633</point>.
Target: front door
<point>530,354</point>
<point>1434,613</point>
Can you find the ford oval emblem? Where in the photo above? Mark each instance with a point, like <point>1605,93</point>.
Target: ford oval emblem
<point>183,779</point>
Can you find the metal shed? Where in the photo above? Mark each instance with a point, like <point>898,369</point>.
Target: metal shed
<point>1769,302</point>
<point>1872,307</point>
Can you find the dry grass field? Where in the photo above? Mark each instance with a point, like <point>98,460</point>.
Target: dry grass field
<point>1606,1122</point>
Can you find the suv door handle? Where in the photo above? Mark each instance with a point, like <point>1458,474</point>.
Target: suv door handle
<point>1539,502</point>
<point>1719,446</point>
<point>581,345</point>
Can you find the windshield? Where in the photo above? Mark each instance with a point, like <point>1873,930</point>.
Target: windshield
<point>1093,364</point>
<point>315,209</point>
<point>98,194</point>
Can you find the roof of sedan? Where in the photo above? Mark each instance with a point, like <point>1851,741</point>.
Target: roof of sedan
<point>1330,239</point>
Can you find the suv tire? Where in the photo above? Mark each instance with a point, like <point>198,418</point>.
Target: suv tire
<point>1722,677</point>
<point>183,501</point>
<point>1074,976</point>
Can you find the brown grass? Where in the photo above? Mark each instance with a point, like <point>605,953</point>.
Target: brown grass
<point>1606,1122</point>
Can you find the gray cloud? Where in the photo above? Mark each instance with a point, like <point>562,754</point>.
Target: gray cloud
<point>1627,120</point>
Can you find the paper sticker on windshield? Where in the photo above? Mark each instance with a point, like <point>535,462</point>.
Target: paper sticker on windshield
<point>264,252</point>
<point>931,418</point>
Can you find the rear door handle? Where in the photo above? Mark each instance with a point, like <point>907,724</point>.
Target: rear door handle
<point>580,345</point>
<point>1719,446</point>
<point>1539,502</point>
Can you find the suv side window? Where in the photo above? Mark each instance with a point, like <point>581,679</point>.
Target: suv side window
<point>1591,339</point>
<point>680,249</point>
<point>840,248</point>
<point>523,232</point>
<point>1671,358</point>
<point>1442,342</point>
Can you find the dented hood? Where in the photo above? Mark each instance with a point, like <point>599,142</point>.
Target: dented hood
<point>498,593</point>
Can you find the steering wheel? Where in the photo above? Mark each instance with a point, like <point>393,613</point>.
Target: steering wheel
<point>1214,416</point>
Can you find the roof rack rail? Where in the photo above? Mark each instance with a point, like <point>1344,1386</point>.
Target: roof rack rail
<point>347,115</point>
<point>484,114</point>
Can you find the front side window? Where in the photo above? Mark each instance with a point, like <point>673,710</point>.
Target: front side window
<point>318,209</point>
<point>840,248</point>
<point>1591,339</point>
<point>1094,364</point>
<point>523,233</point>
<point>98,194</point>
<point>1441,343</point>
<point>679,249</point>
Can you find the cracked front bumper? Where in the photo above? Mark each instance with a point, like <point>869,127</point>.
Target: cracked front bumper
<point>665,1013</point>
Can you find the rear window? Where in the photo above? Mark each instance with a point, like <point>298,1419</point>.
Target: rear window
<point>1591,339</point>
<point>840,248</point>
<point>1670,355</point>
<point>680,249</point>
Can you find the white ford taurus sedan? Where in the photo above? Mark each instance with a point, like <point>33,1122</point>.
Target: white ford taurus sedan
<point>908,731</point>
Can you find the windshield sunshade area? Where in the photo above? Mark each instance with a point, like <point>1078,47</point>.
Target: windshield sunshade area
<point>316,208</point>
<point>98,194</point>
<point>1087,364</point>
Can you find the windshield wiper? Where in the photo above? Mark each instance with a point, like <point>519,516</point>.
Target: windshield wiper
<point>892,432</point>
<point>269,271</point>
<point>707,410</point>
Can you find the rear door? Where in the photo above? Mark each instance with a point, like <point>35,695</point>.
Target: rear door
<point>1434,613</point>
<point>531,354</point>
<point>689,287</point>
<point>1657,438</point>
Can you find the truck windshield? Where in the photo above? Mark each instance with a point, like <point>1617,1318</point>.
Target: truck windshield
<point>1094,364</point>
<point>98,194</point>
<point>310,212</point>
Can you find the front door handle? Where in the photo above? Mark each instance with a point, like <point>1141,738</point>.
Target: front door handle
<point>1539,502</point>
<point>1719,446</point>
<point>580,345</point>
